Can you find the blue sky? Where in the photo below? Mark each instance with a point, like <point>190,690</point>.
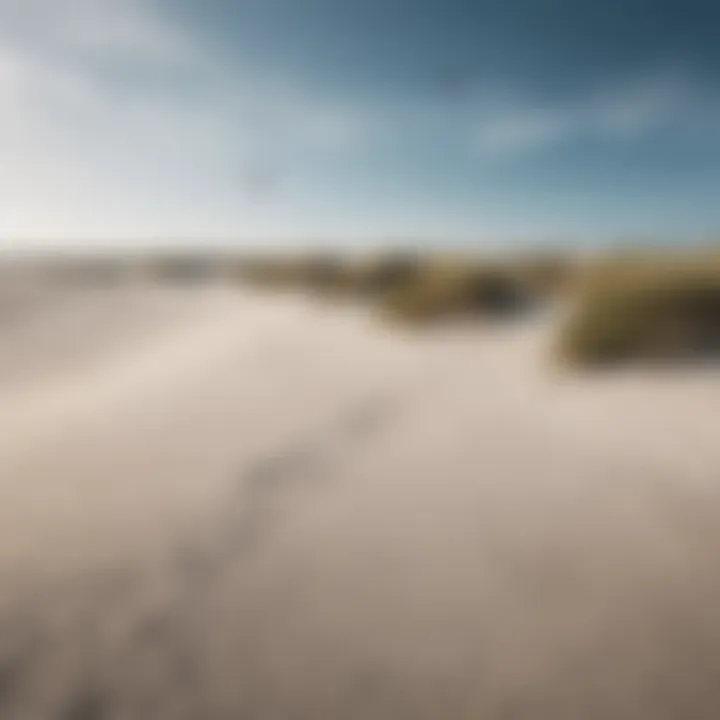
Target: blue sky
<point>497,121</point>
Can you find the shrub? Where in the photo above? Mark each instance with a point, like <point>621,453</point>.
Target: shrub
<point>376,277</point>
<point>443,290</point>
<point>545,276</point>
<point>319,273</point>
<point>646,311</point>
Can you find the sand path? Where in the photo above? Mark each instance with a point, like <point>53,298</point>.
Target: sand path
<point>214,505</point>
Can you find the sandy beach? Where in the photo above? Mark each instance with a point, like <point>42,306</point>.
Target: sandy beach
<point>215,504</point>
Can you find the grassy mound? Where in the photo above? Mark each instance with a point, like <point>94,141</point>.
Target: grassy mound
<point>545,275</point>
<point>411,287</point>
<point>448,290</point>
<point>646,311</point>
<point>375,277</point>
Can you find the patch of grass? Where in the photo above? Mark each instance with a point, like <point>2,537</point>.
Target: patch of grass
<point>320,273</point>
<point>375,277</point>
<point>545,275</point>
<point>443,290</point>
<point>648,310</point>
<point>414,287</point>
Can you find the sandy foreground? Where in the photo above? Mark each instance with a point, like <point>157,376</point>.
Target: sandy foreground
<point>215,505</point>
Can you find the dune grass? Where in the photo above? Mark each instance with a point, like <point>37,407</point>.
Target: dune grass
<point>448,289</point>
<point>414,287</point>
<point>373,278</point>
<point>629,305</point>
<point>645,309</point>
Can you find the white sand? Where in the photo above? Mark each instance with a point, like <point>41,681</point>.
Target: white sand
<point>216,505</point>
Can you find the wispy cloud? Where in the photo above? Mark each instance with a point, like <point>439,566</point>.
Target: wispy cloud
<point>119,119</point>
<point>626,111</point>
<point>84,154</point>
<point>94,28</point>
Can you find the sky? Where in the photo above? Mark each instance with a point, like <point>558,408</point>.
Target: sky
<point>358,121</point>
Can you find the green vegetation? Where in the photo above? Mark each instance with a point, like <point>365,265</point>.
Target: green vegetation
<point>627,305</point>
<point>545,275</point>
<point>637,304</point>
<point>646,309</point>
<point>442,290</point>
<point>375,277</point>
<point>416,288</point>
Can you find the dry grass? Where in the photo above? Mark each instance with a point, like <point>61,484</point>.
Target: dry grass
<point>638,304</point>
<point>658,308</point>
<point>448,289</point>
<point>414,287</point>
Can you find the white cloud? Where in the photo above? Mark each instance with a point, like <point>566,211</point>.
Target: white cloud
<point>521,129</point>
<point>625,112</point>
<point>84,155</point>
<point>94,27</point>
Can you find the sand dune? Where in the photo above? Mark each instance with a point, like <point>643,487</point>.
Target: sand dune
<point>220,505</point>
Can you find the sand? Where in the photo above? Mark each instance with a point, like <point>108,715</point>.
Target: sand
<point>215,504</point>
